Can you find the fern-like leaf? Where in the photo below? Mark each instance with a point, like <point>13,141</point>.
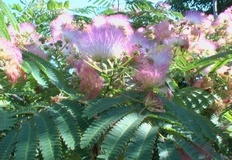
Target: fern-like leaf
<point>198,99</point>
<point>188,148</point>
<point>66,125</point>
<point>209,60</point>
<point>101,105</point>
<point>103,2</point>
<point>3,28</point>
<point>56,77</point>
<point>142,143</point>
<point>7,120</point>
<point>99,126</point>
<point>76,109</point>
<point>27,142</point>
<point>167,150</point>
<point>198,124</point>
<point>116,140</point>
<point>32,68</point>
<point>48,136</point>
<point>9,15</point>
<point>205,148</point>
<point>7,145</point>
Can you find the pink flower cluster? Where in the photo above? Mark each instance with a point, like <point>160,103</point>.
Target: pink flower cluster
<point>27,38</point>
<point>91,83</point>
<point>205,36</point>
<point>10,58</point>
<point>153,70</point>
<point>112,37</point>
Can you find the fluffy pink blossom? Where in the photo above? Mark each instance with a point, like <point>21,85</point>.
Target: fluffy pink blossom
<point>139,43</point>
<point>176,41</point>
<point>203,46</point>
<point>12,58</point>
<point>195,17</point>
<point>58,23</point>
<point>118,20</point>
<point>161,57</point>
<point>27,38</point>
<point>70,33</point>
<point>152,71</point>
<point>102,42</point>
<point>149,76</point>
<point>163,30</point>
<point>224,17</point>
<point>91,83</point>
<point>164,5</point>
<point>26,35</point>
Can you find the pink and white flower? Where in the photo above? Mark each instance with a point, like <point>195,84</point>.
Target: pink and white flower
<point>12,58</point>
<point>91,82</point>
<point>195,17</point>
<point>102,42</point>
<point>58,23</point>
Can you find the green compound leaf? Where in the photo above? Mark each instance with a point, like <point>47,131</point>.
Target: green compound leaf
<point>142,143</point>
<point>48,136</point>
<point>116,140</point>
<point>27,142</point>
<point>99,126</point>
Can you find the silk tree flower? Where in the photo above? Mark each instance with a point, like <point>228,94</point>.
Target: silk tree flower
<point>149,76</point>
<point>153,69</point>
<point>11,57</point>
<point>118,20</point>
<point>139,45</point>
<point>161,56</point>
<point>27,38</point>
<point>58,23</point>
<point>163,30</point>
<point>91,83</point>
<point>195,17</point>
<point>70,33</point>
<point>164,5</point>
<point>203,47</point>
<point>176,41</point>
<point>102,42</point>
<point>224,17</point>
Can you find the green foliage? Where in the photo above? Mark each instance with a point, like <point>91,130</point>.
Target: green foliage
<point>115,141</point>
<point>142,144</point>
<point>10,20</point>
<point>48,131</point>
<point>26,142</point>
<point>198,99</point>
<point>3,31</point>
<point>7,120</point>
<point>167,150</point>
<point>219,60</point>
<point>202,5</point>
<point>69,131</point>
<point>122,132</point>
<point>37,66</point>
<point>50,120</point>
<point>37,12</point>
<point>7,145</point>
<point>101,105</point>
<point>101,124</point>
<point>103,2</point>
<point>48,136</point>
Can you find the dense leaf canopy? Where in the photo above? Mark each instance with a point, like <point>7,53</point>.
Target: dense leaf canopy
<point>201,5</point>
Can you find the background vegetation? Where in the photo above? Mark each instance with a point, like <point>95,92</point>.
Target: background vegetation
<point>56,104</point>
